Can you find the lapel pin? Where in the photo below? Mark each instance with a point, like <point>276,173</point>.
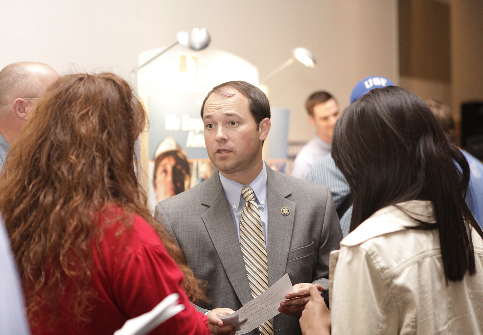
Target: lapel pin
<point>285,211</point>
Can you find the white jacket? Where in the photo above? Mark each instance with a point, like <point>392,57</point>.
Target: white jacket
<point>387,279</point>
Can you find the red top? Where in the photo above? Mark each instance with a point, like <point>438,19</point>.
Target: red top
<point>133,273</point>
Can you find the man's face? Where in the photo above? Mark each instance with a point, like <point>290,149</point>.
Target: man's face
<point>232,138</point>
<point>163,184</point>
<point>325,116</point>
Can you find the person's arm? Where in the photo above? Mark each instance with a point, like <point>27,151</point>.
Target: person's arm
<point>296,300</point>
<point>359,295</point>
<point>300,167</point>
<point>315,318</point>
<point>12,308</point>
<point>145,275</point>
<point>330,238</point>
<point>161,217</point>
<point>215,323</point>
<point>325,172</point>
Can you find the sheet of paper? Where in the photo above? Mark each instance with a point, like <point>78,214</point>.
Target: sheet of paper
<point>260,309</point>
<point>146,322</point>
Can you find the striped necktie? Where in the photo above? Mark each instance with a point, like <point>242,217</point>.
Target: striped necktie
<point>254,251</point>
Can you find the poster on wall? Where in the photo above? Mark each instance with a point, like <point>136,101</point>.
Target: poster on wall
<point>173,88</point>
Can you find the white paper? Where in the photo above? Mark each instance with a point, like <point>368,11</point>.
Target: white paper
<point>260,309</point>
<point>146,322</point>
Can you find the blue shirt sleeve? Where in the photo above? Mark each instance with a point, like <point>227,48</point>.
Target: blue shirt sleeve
<point>12,309</point>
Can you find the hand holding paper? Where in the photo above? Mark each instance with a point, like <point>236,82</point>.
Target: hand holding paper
<point>216,324</point>
<point>260,309</point>
<point>297,299</point>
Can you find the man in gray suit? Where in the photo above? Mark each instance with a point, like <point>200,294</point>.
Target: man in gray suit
<point>299,221</point>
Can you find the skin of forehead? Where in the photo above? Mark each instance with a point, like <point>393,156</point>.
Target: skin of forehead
<point>40,76</point>
<point>227,96</point>
<point>323,108</point>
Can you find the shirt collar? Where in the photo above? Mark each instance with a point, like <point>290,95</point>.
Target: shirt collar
<point>321,143</point>
<point>3,143</point>
<point>391,219</point>
<point>233,189</point>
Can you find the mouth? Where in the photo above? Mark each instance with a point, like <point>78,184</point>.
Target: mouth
<point>222,151</point>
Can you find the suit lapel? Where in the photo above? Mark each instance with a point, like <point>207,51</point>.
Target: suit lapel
<point>280,227</point>
<point>219,224</point>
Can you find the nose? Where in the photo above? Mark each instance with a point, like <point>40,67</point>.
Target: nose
<point>220,134</point>
<point>333,120</point>
<point>169,175</point>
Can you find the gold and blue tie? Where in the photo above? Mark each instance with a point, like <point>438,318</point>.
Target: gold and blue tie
<point>254,250</point>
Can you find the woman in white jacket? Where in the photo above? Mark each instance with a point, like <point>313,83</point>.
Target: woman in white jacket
<point>413,262</point>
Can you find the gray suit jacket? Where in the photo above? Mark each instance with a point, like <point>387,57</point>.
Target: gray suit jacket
<point>298,244</point>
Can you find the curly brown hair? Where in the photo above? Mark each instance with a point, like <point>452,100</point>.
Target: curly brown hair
<point>72,162</point>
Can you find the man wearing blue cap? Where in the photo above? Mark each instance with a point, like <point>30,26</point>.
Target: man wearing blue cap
<point>325,172</point>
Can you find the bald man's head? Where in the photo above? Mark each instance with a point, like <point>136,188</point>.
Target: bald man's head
<point>20,85</point>
<point>24,80</point>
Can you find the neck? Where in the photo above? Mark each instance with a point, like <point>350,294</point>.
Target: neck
<point>8,135</point>
<point>325,138</point>
<point>245,177</point>
<point>9,127</point>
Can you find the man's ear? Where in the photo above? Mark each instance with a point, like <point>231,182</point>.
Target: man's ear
<point>19,108</point>
<point>311,120</point>
<point>264,128</point>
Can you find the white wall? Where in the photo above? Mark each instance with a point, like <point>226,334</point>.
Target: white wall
<point>350,38</point>
<point>466,52</point>
<point>427,89</point>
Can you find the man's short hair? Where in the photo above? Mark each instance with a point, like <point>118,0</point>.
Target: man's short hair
<point>257,100</point>
<point>316,98</point>
<point>443,114</point>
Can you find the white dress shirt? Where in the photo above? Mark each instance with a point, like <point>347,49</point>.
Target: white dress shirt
<point>308,155</point>
<point>233,195</point>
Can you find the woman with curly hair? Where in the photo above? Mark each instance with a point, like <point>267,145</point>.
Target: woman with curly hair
<point>89,253</point>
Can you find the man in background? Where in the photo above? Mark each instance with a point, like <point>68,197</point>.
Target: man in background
<point>474,198</point>
<point>325,171</point>
<point>21,85</point>
<point>247,225</point>
<point>323,112</point>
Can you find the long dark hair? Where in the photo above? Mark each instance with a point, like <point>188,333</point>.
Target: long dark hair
<point>391,149</point>
<point>74,161</point>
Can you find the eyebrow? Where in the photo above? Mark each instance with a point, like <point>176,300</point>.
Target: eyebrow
<point>231,114</point>
<point>227,113</point>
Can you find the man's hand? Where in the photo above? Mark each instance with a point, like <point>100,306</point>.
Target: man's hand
<point>296,300</point>
<point>215,323</point>
<point>315,318</point>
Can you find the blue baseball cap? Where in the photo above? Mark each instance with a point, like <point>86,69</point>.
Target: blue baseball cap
<point>367,84</point>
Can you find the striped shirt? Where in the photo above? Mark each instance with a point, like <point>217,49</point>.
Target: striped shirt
<point>325,172</point>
